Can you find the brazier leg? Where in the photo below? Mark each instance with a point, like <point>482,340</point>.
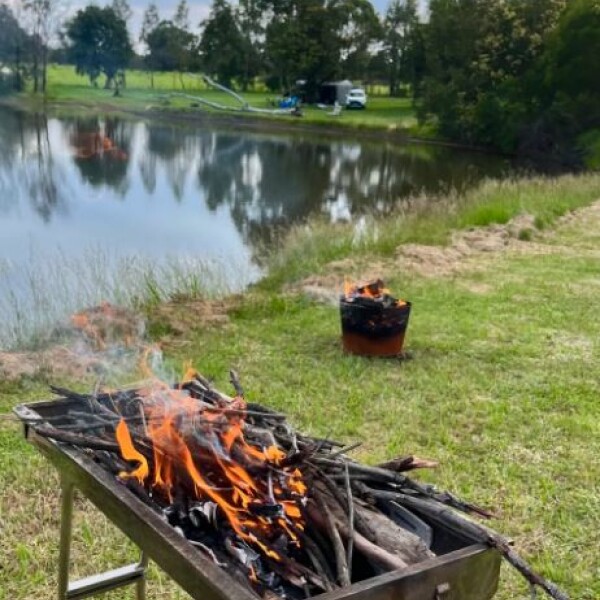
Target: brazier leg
<point>66,524</point>
<point>93,585</point>
<point>140,586</point>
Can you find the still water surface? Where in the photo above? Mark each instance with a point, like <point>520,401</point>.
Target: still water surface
<point>86,203</point>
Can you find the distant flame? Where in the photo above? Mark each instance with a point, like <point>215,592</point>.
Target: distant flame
<point>371,289</point>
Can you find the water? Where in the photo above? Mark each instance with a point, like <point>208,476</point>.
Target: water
<point>100,208</point>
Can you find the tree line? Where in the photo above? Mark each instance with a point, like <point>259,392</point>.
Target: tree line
<point>508,74</point>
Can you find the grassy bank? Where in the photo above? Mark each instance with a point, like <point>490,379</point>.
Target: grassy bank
<point>502,387</point>
<point>430,220</point>
<point>66,87</point>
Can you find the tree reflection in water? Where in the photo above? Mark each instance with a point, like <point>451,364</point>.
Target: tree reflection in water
<point>28,171</point>
<point>266,182</point>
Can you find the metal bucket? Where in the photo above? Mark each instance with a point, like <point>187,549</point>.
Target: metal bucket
<point>372,329</point>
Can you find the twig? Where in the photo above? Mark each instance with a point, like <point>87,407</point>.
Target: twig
<point>338,546</point>
<point>478,533</point>
<point>350,544</point>
<point>344,450</point>
<point>235,382</point>
<point>318,559</point>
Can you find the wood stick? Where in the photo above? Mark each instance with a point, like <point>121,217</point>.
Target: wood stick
<point>350,544</point>
<point>384,476</point>
<point>407,463</point>
<point>342,498</point>
<point>76,439</point>
<point>235,382</point>
<point>369,550</point>
<point>343,574</point>
<point>311,546</point>
<point>476,533</point>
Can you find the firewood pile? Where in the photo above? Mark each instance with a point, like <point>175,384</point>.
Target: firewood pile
<point>287,515</point>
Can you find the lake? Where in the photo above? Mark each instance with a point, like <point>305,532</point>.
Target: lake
<point>101,208</point>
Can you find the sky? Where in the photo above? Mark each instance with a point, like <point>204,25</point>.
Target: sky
<point>199,10</point>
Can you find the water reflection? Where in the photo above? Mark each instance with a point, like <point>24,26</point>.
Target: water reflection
<point>264,181</point>
<point>28,172</point>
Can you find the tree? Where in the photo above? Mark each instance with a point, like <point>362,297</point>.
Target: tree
<point>169,47</point>
<point>99,43</point>
<point>150,22</point>
<point>567,99</point>
<point>122,9</point>
<point>182,16</point>
<point>359,29</point>
<point>222,45</point>
<point>303,42</point>
<point>249,17</point>
<point>13,44</point>
<point>44,17</point>
<point>401,39</point>
<point>480,84</point>
<point>573,52</point>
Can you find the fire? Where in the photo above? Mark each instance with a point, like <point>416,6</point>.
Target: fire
<point>200,450</point>
<point>374,289</point>
<point>128,452</point>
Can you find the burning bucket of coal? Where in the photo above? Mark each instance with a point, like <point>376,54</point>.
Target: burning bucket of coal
<point>373,321</point>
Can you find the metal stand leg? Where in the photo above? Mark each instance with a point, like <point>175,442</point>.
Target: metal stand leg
<point>95,584</point>
<point>140,586</point>
<point>66,524</point>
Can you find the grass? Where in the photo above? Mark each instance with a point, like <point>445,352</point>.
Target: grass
<point>430,220</point>
<point>46,289</point>
<point>502,388</point>
<point>65,86</point>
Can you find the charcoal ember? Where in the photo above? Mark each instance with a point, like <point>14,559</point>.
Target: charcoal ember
<point>262,509</point>
<point>241,552</point>
<point>201,513</point>
<point>175,514</point>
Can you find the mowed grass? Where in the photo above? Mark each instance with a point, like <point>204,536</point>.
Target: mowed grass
<point>430,220</point>
<point>65,86</point>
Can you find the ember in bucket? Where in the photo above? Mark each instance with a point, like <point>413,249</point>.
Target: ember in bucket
<point>373,321</point>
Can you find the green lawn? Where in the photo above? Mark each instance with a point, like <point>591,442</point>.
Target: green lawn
<point>65,86</point>
<point>502,388</point>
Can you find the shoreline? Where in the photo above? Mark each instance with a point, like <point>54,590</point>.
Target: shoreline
<point>247,122</point>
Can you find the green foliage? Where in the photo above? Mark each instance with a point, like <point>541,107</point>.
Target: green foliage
<point>14,44</point>
<point>589,143</point>
<point>222,47</point>
<point>361,28</point>
<point>403,45</point>
<point>170,48</point>
<point>483,68</point>
<point>98,43</point>
<point>122,9</point>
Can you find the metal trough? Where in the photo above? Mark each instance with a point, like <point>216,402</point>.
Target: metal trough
<point>462,570</point>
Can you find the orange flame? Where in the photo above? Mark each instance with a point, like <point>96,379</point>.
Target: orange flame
<point>128,452</point>
<point>239,477</point>
<point>371,289</point>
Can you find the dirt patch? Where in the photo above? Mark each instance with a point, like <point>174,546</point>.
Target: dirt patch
<point>439,261</point>
<point>108,341</point>
<point>181,315</point>
<point>428,261</point>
